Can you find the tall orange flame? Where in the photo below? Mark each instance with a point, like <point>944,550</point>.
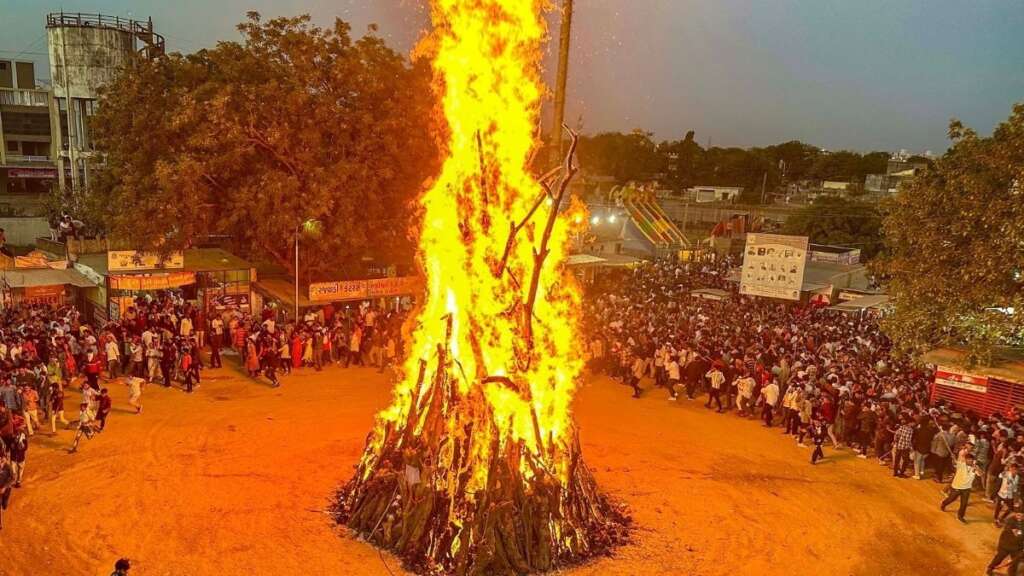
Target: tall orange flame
<point>476,467</point>
<point>487,61</point>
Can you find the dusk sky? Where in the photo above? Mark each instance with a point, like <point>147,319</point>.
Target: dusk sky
<point>840,74</point>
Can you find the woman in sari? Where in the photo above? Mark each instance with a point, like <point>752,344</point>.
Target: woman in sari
<point>252,358</point>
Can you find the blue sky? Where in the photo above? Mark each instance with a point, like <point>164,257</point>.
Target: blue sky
<point>841,74</point>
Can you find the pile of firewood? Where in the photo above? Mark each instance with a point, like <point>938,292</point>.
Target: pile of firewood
<point>410,496</point>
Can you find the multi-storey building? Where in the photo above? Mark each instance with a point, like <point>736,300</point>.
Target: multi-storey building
<point>47,141</point>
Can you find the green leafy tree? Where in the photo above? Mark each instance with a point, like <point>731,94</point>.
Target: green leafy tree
<point>841,222</point>
<point>250,139</point>
<point>626,157</point>
<point>955,246</point>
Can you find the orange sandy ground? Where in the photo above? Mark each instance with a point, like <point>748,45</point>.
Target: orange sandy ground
<point>235,479</point>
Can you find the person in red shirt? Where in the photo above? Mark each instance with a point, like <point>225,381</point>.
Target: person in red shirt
<point>105,406</point>
<point>92,369</point>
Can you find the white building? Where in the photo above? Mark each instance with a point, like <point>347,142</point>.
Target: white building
<point>713,193</point>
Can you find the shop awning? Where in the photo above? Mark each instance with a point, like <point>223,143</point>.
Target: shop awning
<point>874,301</point>
<point>580,260</point>
<point>28,277</point>
<point>282,290</point>
<point>620,261</point>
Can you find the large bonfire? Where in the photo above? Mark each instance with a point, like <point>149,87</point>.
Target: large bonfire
<point>475,468</point>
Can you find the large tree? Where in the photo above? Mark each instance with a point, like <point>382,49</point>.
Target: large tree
<point>250,139</point>
<point>626,157</point>
<point>955,246</point>
<point>839,221</point>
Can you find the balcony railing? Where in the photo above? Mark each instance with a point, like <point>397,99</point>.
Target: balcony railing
<point>154,42</point>
<point>24,97</point>
<point>28,159</point>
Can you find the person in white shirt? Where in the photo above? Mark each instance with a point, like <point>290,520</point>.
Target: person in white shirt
<point>135,392</point>
<point>1008,488</point>
<point>185,327</point>
<point>660,357</point>
<point>745,392</point>
<point>217,325</point>
<point>770,398</point>
<point>87,426</point>
<point>674,376</point>
<point>963,481</point>
<point>717,379</point>
<point>113,357</point>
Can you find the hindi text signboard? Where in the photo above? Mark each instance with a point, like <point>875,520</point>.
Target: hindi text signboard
<point>52,295</point>
<point>773,266</point>
<point>152,282</point>
<point>364,289</point>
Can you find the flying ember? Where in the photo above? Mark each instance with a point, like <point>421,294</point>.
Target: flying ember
<point>475,468</point>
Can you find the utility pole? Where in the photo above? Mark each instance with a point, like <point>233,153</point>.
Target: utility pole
<point>764,183</point>
<point>297,230</point>
<point>557,151</point>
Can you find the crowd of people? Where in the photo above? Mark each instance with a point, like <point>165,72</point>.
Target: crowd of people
<point>824,377</point>
<point>47,353</point>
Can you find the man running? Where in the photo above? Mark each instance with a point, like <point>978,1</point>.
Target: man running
<point>87,426</point>
<point>135,384</point>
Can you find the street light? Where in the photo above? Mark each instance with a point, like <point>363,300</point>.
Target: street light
<point>612,218</point>
<point>595,220</point>
<point>310,226</point>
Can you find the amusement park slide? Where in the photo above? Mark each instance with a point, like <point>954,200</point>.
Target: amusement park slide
<point>653,223</point>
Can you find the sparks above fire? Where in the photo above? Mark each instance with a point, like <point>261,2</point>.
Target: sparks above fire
<point>476,468</point>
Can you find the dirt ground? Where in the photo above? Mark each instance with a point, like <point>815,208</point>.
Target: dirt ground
<point>234,480</point>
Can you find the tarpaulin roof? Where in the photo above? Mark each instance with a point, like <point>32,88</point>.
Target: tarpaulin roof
<point>27,277</point>
<point>284,291</point>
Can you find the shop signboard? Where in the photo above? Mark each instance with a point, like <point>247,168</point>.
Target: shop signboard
<point>134,260</point>
<point>951,378</point>
<point>773,266</point>
<point>231,301</point>
<point>397,286</point>
<point>52,295</point>
<point>152,281</point>
<point>32,173</point>
<point>364,289</point>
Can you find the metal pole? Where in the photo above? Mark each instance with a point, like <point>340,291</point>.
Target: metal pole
<point>560,83</point>
<point>297,275</point>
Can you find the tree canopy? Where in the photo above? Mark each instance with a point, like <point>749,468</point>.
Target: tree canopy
<point>839,221</point>
<point>681,164</point>
<point>250,139</point>
<point>625,157</point>
<point>955,246</point>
